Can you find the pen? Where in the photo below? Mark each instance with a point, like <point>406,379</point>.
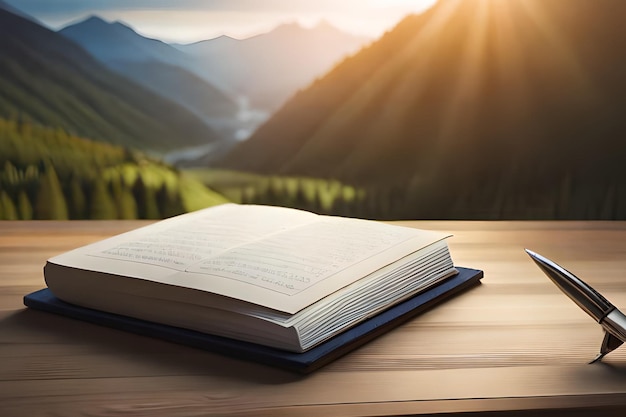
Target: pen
<point>592,302</point>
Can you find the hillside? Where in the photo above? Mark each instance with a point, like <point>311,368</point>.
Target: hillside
<point>475,109</point>
<point>47,174</point>
<point>47,79</point>
<point>7,7</point>
<point>183,87</point>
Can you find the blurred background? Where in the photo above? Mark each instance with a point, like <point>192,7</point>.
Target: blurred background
<point>398,109</point>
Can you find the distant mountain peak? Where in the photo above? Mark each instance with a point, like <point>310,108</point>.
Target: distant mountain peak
<point>322,27</point>
<point>288,27</point>
<point>225,38</point>
<point>97,23</point>
<point>94,20</point>
<point>326,25</point>
<point>98,36</point>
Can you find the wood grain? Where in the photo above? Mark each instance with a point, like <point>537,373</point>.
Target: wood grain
<point>512,346</point>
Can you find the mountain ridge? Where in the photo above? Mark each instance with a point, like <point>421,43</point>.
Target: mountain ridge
<point>97,35</point>
<point>272,66</point>
<point>153,64</point>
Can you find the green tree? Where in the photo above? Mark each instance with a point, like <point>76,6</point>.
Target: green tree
<point>101,205</point>
<point>8,211</point>
<point>10,177</point>
<point>24,207</point>
<point>124,200</point>
<point>31,182</point>
<point>146,203</point>
<point>50,202</point>
<point>76,199</point>
<point>169,202</point>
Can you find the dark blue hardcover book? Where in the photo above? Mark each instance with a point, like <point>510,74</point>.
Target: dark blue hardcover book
<point>299,362</point>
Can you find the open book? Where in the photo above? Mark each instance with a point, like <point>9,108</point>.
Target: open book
<point>278,277</point>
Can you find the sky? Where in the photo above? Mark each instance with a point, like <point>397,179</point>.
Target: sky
<point>186,21</point>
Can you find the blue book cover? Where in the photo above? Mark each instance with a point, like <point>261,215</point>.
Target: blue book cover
<point>298,362</point>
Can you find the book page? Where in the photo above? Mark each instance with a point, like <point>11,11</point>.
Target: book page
<point>278,258</point>
<point>158,251</point>
<point>187,242</point>
<point>294,261</point>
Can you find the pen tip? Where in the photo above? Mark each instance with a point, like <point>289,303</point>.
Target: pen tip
<point>531,253</point>
<point>597,358</point>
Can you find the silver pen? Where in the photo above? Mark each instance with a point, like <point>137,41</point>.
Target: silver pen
<point>610,318</point>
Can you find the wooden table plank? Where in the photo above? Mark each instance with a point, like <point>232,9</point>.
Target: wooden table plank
<point>512,346</point>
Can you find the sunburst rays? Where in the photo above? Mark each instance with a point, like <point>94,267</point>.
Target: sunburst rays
<point>489,63</point>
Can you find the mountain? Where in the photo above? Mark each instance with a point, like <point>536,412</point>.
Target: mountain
<point>48,79</point>
<point>270,67</point>
<point>235,76</point>
<point>113,42</point>
<point>473,109</point>
<point>154,64</point>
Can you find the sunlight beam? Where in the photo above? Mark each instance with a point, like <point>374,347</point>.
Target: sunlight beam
<point>564,52</point>
<point>356,104</point>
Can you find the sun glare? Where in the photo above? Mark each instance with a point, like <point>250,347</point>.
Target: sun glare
<point>491,50</point>
<point>496,24</point>
<point>415,4</point>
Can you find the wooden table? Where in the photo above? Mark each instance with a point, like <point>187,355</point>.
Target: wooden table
<point>514,345</point>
